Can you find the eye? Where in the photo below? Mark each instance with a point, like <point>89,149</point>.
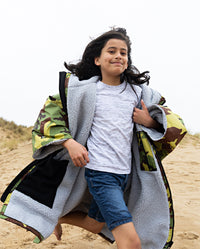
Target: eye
<point>123,53</point>
<point>111,51</point>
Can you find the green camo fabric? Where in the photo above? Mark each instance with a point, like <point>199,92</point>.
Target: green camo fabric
<point>174,134</point>
<point>51,124</point>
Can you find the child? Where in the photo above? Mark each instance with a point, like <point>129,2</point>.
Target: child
<point>116,135</point>
<point>107,158</point>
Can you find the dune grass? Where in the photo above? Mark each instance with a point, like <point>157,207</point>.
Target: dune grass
<point>11,135</point>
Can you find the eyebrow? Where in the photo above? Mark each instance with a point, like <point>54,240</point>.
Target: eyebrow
<point>116,47</point>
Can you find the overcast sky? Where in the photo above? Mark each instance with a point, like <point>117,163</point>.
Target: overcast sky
<point>38,36</point>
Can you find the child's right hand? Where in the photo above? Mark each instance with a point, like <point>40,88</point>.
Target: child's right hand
<point>77,152</point>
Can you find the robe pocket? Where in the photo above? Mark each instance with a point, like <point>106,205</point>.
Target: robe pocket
<point>42,181</point>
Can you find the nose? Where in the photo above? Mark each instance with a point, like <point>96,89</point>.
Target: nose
<point>118,55</point>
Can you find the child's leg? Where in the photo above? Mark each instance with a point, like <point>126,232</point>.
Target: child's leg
<point>107,190</point>
<point>79,219</point>
<point>126,236</point>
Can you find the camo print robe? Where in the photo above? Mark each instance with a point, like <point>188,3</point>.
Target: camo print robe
<point>147,195</point>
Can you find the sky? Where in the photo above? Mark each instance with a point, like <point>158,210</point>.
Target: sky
<point>38,36</point>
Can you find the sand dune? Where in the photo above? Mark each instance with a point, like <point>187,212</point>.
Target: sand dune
<point>183,171</point>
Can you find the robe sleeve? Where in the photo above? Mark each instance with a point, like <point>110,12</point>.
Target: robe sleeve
<point>51,128</point>
<point>161,143</point>
<point>175,130</point>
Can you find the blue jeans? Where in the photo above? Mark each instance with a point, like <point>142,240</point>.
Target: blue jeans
<point>108,203</point>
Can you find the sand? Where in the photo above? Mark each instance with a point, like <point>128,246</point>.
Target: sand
<point>183,170</point>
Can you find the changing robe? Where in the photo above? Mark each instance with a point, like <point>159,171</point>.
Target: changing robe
<point>38,196</point>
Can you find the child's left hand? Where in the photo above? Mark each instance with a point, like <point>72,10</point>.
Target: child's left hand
<point>142,116</point>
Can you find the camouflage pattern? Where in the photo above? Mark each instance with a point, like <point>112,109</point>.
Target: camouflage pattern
<point>171,209</point>
<point>147,161</point>
<point>157,150</point>
<point>52,123</point>
<point>175,132</point>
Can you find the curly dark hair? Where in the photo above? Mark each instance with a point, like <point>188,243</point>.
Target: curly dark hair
<point>86,68</point>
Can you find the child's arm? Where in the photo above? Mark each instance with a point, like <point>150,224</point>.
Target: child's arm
<point>77,152</point>
<point>142,116</point>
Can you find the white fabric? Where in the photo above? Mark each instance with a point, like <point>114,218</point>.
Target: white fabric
<point>109,143</point>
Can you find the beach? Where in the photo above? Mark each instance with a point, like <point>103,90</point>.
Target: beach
<point>182,168</point>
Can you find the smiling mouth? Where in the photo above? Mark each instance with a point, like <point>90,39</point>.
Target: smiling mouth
<point>117,63</point>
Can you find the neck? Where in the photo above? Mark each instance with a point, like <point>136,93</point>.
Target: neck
<point>113,81</point>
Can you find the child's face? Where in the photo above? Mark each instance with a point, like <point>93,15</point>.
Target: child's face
<point>113,60</point>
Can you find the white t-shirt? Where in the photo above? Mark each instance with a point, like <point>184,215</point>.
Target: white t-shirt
<point>109,143</point>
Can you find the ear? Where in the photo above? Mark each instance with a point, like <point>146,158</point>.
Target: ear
<point>96,61</point>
